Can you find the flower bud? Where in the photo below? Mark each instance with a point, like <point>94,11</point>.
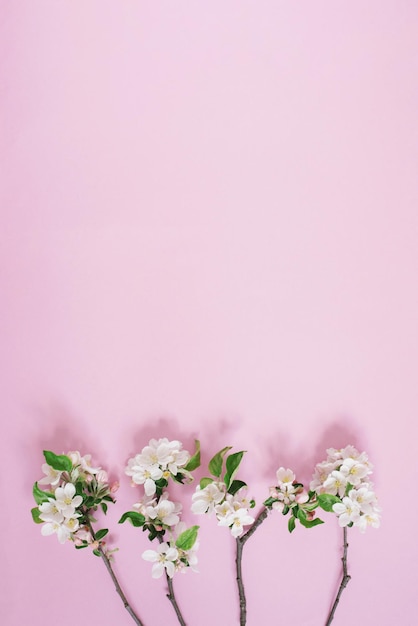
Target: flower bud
<point>114,487</point>
<point>102,476</point>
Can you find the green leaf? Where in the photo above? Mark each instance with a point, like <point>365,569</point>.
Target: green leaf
<point>96,553</point>
<point>204,482</point>
<point>348,488</point>
<point>252,504</point>
<point>268,503</point>
<point>39,495</point>
<point>327,500</point>
<point>104,507</point>
<point>101,533</point>
<point>194,461</point>
<point>35,515</point>
<point>187,539</point>
<point>216,462</point>
<point>84,545</point>
<point>232,465</point>
<point>59,462</point>
<point>89,501</point>
<point>310,523</point>
<point>291,524</point>
<point>285,510</point>
<point>235,486</point>
<point>136,519</point>
<point>179,478</point>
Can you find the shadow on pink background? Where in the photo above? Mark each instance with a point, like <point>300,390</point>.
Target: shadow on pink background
<point>209,230</point>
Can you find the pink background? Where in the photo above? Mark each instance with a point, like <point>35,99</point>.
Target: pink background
<point>209,229</point>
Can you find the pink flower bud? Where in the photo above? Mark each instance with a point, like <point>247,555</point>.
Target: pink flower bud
<point>114,487</point>
<point>102,476</point>
<point>310,515</point>
<point>302,497</point>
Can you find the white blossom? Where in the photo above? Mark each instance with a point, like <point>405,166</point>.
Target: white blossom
<point>164,557</point>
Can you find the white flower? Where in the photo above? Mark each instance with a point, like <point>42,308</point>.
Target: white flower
<point>364,497</point>
<point>52,476</point>
<point>284,477</point>
<point>347,511</point>
<point>164,557</point>
<point>224,509</point>
<point>165,512</point>
<point>368,519</point>
<point>49,512</point>
<point>354,471</point>
<point>83,461</point>
<point>205,500</point>
<point>144,475</point>
<point>66,499</point>
<point>236,521</point>
<point>62,532</point>
<point>335,484</point>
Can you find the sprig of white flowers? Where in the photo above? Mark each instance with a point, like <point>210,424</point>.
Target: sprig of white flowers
<point>158,463</point>
<point>72,490</point>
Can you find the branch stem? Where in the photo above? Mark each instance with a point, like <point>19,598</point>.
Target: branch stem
<point>112,574</point>
<point>241,541</point>
<point>171,596</point>
<point>344,581</point>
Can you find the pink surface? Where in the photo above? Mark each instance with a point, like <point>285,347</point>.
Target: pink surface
<point>209,228</point>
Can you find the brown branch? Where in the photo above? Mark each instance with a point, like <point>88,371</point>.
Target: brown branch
<point>171,596</point>
<point>344,582</point>
<point>241,541</point>
<point>112,574</point>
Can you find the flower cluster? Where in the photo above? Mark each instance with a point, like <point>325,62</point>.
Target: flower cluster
<point>226,497</point>
<point>159,460</point>
<point>76,489</point>
<point>156,512</point>
<point>174,554</point>
<point>291,496</point>
<point>345,475</point>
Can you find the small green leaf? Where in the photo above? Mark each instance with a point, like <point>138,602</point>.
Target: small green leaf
<point>291,524</point>
<point>235,486</point>
<point>285,510</point>
<point>252,504</point>
<point>216,462</point>
<point>204,482</point>
<point>59,462</point>
<point>348,488</point>
<point>84,545</point>
<point>232,465</point>
<point>187,539</point>
<point>101,533</point>
<point>96,553</point>
<point>179,478</point>
<point>39,495</point>
<point>327,500</point>
<point>310,523</point>
<point>104,507</point>
<point>136,519</point>
<point>194,461</point>
<point>35,515</point>
<point>89,502</point>
<point>268,503</point>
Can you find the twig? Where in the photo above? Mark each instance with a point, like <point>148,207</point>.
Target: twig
<point>241,541</point>
<point>112,574</point>
<point>171,596</point>
<point>344,582</point>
